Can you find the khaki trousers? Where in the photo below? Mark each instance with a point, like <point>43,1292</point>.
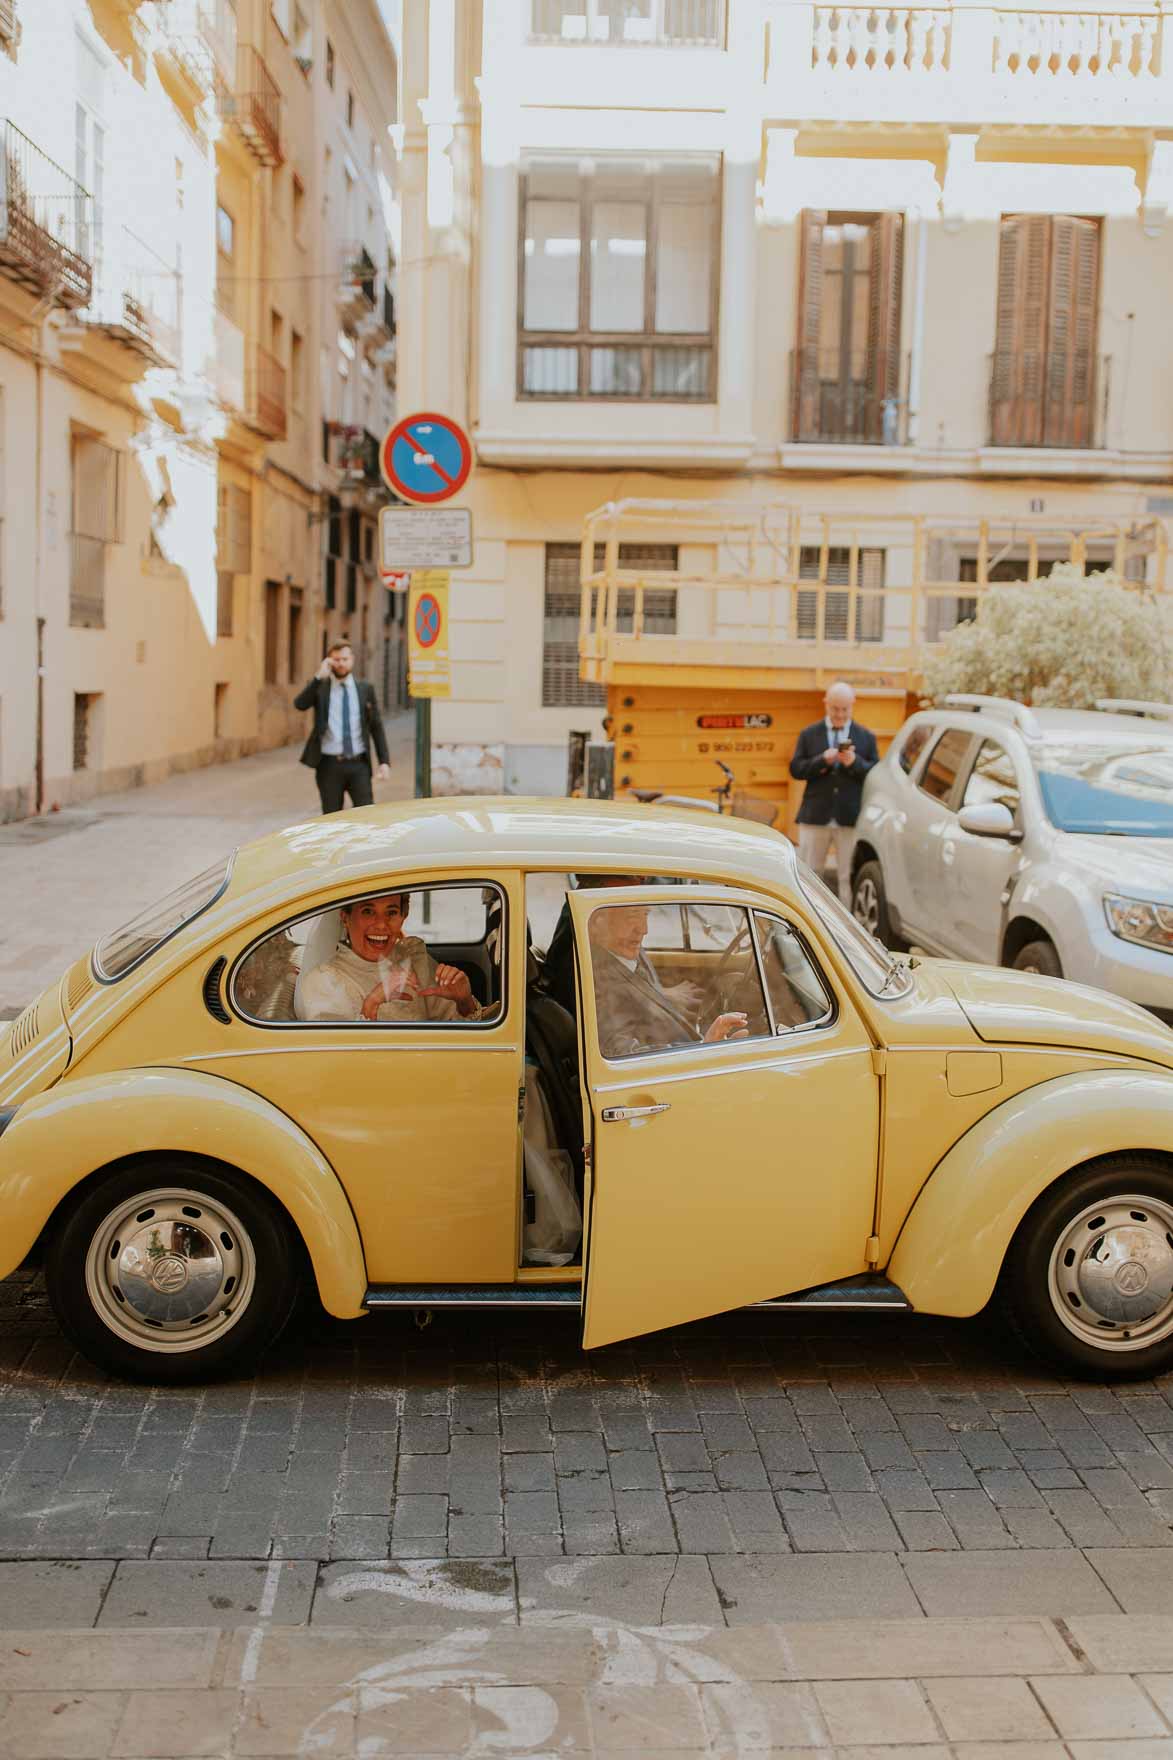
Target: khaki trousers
<point>814,843</point>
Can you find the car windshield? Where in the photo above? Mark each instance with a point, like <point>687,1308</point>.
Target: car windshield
<point>123,949</point>
<point>1117,787</point>
<point>872,964</point>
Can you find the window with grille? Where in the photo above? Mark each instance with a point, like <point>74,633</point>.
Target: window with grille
<point>618,281</point>
<point>838,624</point>
<point>561,685</point>
<point>225,594</point>
<point>84,706</point>
<point>272,631</point>
<point>846,368</point>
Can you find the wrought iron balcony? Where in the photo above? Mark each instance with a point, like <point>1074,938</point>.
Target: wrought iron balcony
<point>358,283</point>
<point>138,299</point>
<point>1058,398</point>
<point>253,106</point>
<point>835,399</point>
<point>46,233</point>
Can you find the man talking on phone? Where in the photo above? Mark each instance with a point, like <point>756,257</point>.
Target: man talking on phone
<point>346,723</point>
<point>832,757</point>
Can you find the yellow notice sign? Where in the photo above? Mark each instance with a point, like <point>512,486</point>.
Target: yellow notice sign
<point>427,633</point>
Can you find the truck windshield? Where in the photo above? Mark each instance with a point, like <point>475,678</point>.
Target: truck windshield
<point>871,962</point>
<point>1116,788</point>
<point>123,949</point>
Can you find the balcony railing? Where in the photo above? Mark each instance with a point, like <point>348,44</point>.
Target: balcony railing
<point>834,399</point>
<point>268,397</point>
<point>254,106</point>
<point>45,225</point>
<point>880,39</point>
<point>688,23</point>
<point>228,362</point>
<point>1077,45</point>
<point>138,300</point>
<point>1057,399</point>
<point>358,284</point>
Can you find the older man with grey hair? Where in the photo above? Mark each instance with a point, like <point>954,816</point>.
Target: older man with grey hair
<point>832,758</point>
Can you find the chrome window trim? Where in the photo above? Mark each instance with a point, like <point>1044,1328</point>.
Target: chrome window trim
<point>96,971</point>
<point>830,1015</point>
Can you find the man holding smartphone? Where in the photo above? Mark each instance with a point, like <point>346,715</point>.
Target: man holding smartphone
<point>832,757</point>
<point>346,723</point>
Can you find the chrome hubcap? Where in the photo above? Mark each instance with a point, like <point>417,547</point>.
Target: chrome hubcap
<point>1111,1273</point>
<point>169,1270</point>
<point>867,906</point>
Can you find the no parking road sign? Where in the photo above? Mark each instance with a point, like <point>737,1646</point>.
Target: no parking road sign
<point>426,457</point>
<point>427,632</point>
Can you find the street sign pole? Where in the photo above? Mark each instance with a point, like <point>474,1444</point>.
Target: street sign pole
<point>423,748</point>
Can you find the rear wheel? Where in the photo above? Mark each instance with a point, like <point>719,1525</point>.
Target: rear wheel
<point>1088,1280</point>
<point>869,906</point>
<point>173,1271</point>
<point>1039,956</point>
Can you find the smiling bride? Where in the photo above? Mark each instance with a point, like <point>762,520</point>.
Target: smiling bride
<point>380,974</point>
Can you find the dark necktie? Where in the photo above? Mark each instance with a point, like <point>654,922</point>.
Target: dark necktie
<point>347,749</point>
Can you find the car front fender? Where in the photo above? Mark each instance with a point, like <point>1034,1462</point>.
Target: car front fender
<point>58,1138</point>
<point>948,1254</point>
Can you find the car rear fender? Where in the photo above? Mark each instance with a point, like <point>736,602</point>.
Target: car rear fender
<point>948,1254</point>
<point>60,1137</point>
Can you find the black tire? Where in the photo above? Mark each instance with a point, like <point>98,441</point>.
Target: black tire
<point>156,1238</point>
<point>869,906</point>
<point>1073,1250</point>
<point>1039,956</point>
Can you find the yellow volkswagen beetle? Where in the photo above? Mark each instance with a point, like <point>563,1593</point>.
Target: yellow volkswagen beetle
<point>341,1056</point>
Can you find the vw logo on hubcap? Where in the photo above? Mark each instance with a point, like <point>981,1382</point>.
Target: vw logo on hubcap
<point>1131,1278</point>
<point>169,1274</point>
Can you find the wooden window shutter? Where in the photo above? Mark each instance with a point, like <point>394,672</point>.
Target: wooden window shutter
<point>1069,409</point>
<point>885,281</point>
<point>1017,373</point>
<point>805,377</point>
<point>98,490</point>
<point>240,550</point>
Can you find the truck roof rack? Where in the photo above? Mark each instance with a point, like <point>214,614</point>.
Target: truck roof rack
<point>1135,706</point>
<point>1003,708</point>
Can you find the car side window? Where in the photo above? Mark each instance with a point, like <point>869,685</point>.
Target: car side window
<point>945,760</point>
<point>913,745</point>
<point>671,977</point>
<point>798,995</point>
<point>431,956</point>
<point>992,779</point>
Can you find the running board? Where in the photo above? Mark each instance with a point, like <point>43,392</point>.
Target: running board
<point>853,1293</point>
<point>474,1295</point>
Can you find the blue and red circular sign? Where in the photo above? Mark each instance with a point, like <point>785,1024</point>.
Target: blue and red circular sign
<point>426,457</point>
<point>427,620</point>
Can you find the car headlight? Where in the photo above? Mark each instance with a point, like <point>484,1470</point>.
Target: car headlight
<point>1136,919</point>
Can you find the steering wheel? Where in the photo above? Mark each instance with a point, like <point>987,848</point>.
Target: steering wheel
<point>730,994</point>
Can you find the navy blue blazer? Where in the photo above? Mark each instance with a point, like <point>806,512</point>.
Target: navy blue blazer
<point>832,794</point>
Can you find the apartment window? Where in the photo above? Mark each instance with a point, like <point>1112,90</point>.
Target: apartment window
<point>297,368</point>
<point>85,715</point>
<point>225,260</point>
<point>561,685</point>
<point>219,710</point>
<point>234,537</point>
<point>1045,376</point>
<point>329,64</point>
<point>846,370</point>
<point>293,670</point>
<point>840,624</point>
<point>272,631</point>
<point>333,551</point>
<point>225,607</point>
<point>354,554</point>
<point>690,22</point>
<point>619,279</point>
<point>96,522</point>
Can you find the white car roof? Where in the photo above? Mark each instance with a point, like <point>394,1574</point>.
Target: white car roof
<point>1063,724</point>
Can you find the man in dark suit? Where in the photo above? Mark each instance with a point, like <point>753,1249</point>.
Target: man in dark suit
<point>635,1012</point>
<point>832,757</point>
<point>346,723</point>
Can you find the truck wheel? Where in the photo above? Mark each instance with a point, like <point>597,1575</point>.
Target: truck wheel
<point>1039,956</point>
<point>869,906</point>
<point>171,1271</point>
<point>1088,1280</point>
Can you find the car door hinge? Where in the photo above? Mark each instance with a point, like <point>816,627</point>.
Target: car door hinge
<point>587,1157</point>
<point>879,1060</point>
<point>521,1104</point>
<point>871,1251</point>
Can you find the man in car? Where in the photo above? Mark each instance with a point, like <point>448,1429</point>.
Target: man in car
<point>635,1012</point>
<point>832,757</point>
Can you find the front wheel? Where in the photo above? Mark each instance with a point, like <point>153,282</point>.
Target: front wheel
<point>869,906</point>
<point>1039,956</point>
<point>1088,1280</point>
<point>171,1271</point>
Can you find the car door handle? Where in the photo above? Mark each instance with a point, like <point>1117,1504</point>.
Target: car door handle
<point>616,1114</point>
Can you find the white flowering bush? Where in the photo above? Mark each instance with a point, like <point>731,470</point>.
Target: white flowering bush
<point>1063,642</point>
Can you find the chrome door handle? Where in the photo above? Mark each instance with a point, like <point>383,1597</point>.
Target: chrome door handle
<point>616,1114</point>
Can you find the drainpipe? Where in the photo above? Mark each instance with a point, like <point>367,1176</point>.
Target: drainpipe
<point>38,563</point>
<point>916,343</point>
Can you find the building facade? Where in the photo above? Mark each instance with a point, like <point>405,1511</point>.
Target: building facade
<point>894,276</point>
<point>165,257</point>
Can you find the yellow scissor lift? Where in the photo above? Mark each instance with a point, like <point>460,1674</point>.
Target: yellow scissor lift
<point>773,602</point>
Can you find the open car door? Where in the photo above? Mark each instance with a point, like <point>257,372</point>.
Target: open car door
<point>724,1170</point>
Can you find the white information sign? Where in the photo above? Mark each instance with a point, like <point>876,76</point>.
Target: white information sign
<point>425,537</point>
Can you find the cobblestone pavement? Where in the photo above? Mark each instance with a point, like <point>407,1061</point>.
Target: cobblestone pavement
<point>68,877</point>
<point>1088,1688</point>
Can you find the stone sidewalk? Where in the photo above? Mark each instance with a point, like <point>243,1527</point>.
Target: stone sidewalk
<point>69,877</point>
<point>950,1689</point>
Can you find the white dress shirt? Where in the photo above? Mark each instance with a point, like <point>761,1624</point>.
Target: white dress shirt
<point>332,738</point>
